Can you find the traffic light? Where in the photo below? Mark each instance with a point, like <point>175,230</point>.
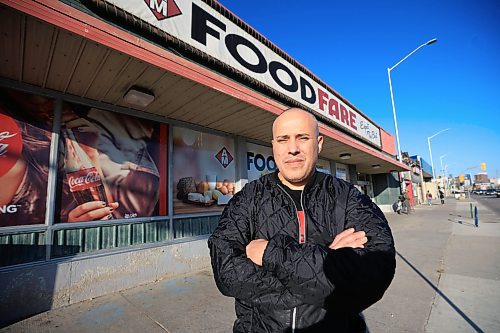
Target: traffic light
<point>483,166</point>
<point>461,178</point>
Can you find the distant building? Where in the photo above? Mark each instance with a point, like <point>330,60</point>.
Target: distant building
<point>426,167</point>
<point>421,177</point>
<point>481,178</point>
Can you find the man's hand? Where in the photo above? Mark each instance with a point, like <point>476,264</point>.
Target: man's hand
<point>255,250</point>
<point>349,238</point>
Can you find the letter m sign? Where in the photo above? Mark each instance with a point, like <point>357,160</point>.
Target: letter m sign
<point>163,9</point>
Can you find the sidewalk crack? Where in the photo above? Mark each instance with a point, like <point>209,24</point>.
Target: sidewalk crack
<point>434,298</point>
<point>140,309</point>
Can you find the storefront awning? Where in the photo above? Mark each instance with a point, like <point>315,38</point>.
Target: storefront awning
<point>52,45</point>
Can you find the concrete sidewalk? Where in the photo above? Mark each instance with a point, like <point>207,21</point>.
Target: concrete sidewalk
<point>448,272</point>
<point>447,280</point>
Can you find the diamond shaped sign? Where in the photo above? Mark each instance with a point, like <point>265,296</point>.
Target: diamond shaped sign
<point>163,9</point>
<point>224,157</point>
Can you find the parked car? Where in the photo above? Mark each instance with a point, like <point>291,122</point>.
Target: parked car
<point>490,191</point>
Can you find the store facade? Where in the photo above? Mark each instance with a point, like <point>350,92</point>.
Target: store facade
<point>126,128</point>
<point>425,174</point>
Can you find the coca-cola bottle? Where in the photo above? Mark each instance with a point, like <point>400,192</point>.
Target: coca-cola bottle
<point>84,180</point>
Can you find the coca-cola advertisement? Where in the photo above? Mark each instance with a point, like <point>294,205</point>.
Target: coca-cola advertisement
<point>114,166</point>
<point>25,136</point>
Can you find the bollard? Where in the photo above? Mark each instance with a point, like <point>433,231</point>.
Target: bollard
<point>471,213</point>
<point>476,217</point>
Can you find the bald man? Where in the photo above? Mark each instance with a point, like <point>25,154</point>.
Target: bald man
<point>299,250</point>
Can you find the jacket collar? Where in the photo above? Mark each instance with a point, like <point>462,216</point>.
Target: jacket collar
<point>316,179</point>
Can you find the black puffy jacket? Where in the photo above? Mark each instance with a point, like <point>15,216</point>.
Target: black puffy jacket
<point>301,287</point>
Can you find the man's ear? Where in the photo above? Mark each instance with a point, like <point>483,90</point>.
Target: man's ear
<point>320,143</point>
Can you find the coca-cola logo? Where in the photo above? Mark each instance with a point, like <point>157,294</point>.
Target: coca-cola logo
<point>11,143</point>
<point>83,179</point>
<point>5,146</point>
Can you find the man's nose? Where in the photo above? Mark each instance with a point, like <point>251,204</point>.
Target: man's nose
<point>293,147</point>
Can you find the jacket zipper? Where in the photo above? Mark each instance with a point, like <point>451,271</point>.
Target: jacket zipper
<point>302,229</point>
<point>294,311</point>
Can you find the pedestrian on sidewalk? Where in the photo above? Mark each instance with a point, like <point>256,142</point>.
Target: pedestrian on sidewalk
<point>405,202</point>
<point>441,196</point>
<point>299,249</point>
<point>429,198</point>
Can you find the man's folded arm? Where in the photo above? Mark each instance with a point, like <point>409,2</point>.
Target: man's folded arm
<point>235,275</point>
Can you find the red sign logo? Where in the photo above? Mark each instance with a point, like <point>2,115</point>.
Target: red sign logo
<point>11,143</point>
<point>83,179</point>
<point>163,9</point>
<point>224,157</point>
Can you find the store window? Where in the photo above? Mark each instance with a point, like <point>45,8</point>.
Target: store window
<point>204,171</point>
<point>342,171</point>
<point>112,166</point>
<point>364,184</point>
<point>323,166</point>
<point>260,161</point>
<point>25,138</point>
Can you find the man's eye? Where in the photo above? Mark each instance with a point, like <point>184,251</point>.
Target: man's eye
<point>281,140</point>
<point>304,138</point>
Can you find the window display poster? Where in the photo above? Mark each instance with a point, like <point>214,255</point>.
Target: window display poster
<point>25,138</point>
<point>204,171</point>
<point>323,166</point>
<point>111,165</point>
<point>342,171</point>
<point>260,161</point>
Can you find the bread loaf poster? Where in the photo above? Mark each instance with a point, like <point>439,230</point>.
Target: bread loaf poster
<point>203,171</point>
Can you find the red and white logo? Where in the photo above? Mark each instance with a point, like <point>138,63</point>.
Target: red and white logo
<point>83,179</point>
<point>224,157</point>
<point>11,143</point>
<point>163,9</point>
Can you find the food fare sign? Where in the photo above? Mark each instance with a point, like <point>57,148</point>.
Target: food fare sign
<point>202,27</point>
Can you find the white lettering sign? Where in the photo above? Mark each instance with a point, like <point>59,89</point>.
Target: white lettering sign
<point>89,178</point>
<point>202,27</point>
<point>8,209</point>
<point>4,146</point>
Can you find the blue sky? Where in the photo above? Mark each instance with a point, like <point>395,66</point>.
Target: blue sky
<point>454,83</point>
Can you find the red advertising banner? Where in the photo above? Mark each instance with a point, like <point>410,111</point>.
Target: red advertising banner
<point>204,171</point>
<point>114,166</point>
<point>25,136</point>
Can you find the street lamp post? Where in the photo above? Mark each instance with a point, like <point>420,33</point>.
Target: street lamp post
<point>392,95</point>
<point>430,150</point>
<point>442,170</point>
<point>447,184</point>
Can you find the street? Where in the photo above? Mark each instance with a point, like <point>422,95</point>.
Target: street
<point>491,202</point>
